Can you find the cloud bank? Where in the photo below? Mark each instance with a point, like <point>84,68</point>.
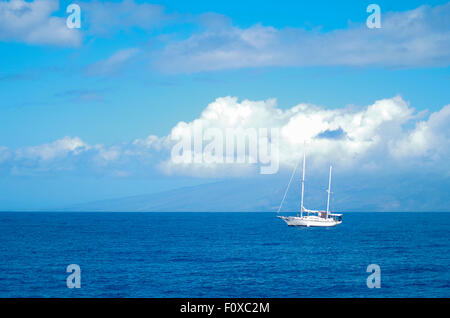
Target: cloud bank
<point>385,136</point>
<point>377,136</point>
<point>419,37</point>
<point>415,38</point>
<point>34,23</point>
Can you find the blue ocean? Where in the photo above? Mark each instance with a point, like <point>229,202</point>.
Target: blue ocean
<point>222,255</point>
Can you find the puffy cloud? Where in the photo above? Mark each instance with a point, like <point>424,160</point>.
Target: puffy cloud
<point>420,37</point>
<point>429,140</point>
<point>151,141</point>
<point>34,23</point>
<point>107,154</point>
<point>362,132</point>
<point>57,149</point>
<point>385,135</point>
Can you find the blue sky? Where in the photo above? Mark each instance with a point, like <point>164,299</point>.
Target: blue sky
<point>135,70</point>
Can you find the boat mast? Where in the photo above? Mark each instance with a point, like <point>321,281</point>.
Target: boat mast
<point>329,191</point>
<point>303,181</point>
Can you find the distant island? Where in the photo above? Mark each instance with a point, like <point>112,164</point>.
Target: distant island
<point>263,194</point>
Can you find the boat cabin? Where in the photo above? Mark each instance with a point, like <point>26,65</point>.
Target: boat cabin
<point>335,216</point>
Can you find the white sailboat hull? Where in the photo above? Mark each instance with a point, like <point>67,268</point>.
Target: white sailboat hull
<point>309,221</point>
<point>313,218</point>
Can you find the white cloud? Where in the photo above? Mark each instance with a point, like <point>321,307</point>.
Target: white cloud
<point>113,63</point>
<point>151,141</point>
<point>386,135</point>
<point>106,17</point>
<point>419,37</point>
<point>57,149</point>
<point>429,140</point>
<point>4,154</point>
<point>107,154</point>
<point>370,137</point>
<point>33,23</point>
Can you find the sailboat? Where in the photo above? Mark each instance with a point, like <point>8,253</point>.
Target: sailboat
<point>311,218</point>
